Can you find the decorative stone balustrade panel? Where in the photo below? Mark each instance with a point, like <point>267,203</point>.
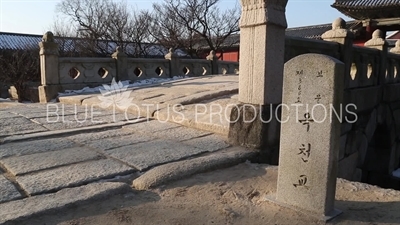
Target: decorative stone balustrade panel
<point>140,69</point>
<point>295,46</point>
<point>194,67</point>
<point>393,68</point>
<point>225,67</point>
<point>364,70</point>
<point>86,70</point>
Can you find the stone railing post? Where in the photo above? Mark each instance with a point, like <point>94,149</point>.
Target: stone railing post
<point>173,63</point>
<point>341,35</point>
<point>50,78</point>
<point>378,42</point>
<point>121,64</point>
<point>396,49</point>
<point>262,49</point>
<point>214,62</point>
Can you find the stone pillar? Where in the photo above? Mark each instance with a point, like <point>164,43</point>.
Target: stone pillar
<point>341,35</point>
<point>378,42</point>
<point>122,65</point>
<point>173,63</point>
<point>50,78</point>
<point>309,149</point>
<point>396,49</point>
<point>262,48</point>
<point>214,62</point>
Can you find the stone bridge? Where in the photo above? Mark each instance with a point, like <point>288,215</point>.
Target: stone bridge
<point>370,134</point>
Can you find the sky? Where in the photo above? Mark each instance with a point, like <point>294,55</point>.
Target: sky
<point>36,16</point>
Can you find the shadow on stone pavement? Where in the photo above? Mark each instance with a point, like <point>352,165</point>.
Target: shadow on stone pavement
<point>93,208</point>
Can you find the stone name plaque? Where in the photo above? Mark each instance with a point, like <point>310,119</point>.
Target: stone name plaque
<point>310,132</point>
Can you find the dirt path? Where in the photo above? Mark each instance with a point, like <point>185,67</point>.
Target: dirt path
<point>230,196</point>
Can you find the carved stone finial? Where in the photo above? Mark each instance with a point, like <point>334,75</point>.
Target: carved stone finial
<point>48,37</point>
<point>377,34</point>
<point>170,54</point>
<point>118,53</point>
<point>396,49</point>
<point>48,46</point>
<point>377,41</point>
<point>339,23</point>
<point>338,32</point>
<point>212,55</point>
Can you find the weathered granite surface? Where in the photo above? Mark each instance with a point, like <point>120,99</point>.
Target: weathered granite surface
<point>34,146</point>
<point>72,175</point>
<point>148,154</point>
<point>57,202</point>
<point>8,192</point>
<point>19,125</point>
<point>31,163</point>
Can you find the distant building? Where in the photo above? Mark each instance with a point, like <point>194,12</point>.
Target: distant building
<point>368,16</point>
<point>69,46</point>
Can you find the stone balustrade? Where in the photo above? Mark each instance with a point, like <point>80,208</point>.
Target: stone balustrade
<point>86,70</point>
<point>295,46</point>
<point>364,68</point>
<point>195,67</point>
<point>59,74</point>
<point>370,133</point>
<point>140,69</point>
<point>393,68</point>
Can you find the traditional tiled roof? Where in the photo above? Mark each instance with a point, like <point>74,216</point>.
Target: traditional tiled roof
<point>312,32</point>
<point>315,31</point>
<point>16,41</point>
<point>368,9</point>
<point>12,41</point>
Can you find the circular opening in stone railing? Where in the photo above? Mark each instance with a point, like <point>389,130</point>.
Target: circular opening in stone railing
<point>138,72</point>
<point>102,72</point>
<point>185,70</point>
<point>353,71</point>
<point>159,71</point>
<point>395,71</point>
<point>236,71</point>
<point>74,73</point>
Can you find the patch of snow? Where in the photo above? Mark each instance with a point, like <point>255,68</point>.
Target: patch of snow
<point>396,173</point>
<point>126,83</point>
<point>5,100</point>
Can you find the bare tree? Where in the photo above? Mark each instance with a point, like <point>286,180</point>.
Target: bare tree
<point>194,25</point>
<point>138,33</point>
<point>18,68</point>
<point>66,35</point>
<point>105,24</point>
<point>170,31</point>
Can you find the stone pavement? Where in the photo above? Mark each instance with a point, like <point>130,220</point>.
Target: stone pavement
<point>55,150</point>
<point>202,102</point>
